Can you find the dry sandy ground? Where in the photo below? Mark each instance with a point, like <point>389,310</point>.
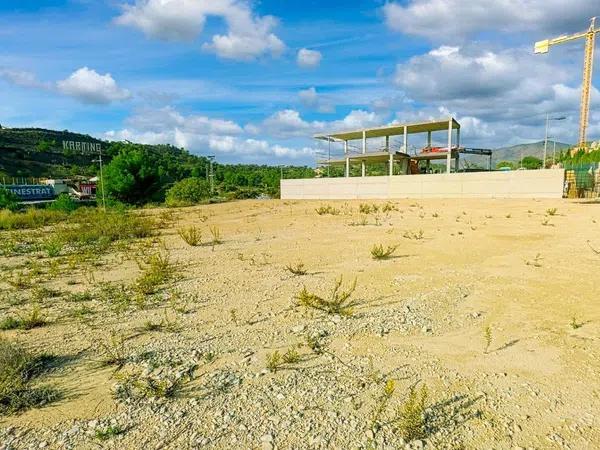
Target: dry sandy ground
<point>532,278</point>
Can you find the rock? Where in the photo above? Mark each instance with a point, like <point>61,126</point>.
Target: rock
<point>298,329</point>
<point>267,438</point>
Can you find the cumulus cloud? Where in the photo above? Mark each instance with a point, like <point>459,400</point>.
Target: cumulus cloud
<point>289,123</point>
<point>505,83</point>
<point>308,59</point>
<point>200,133</point>
<point>168,118</point>
<point>90,87</point>
<point>310,98</point>
<point>23,78</point>
<point>85,85</point>
<point>248,37</point>
<point>445,20</point>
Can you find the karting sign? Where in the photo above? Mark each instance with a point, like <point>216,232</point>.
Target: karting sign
<point>84,148</point>
<point>28,192</point>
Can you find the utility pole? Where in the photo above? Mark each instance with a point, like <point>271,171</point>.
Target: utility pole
<point>211,158</point>
<point>101,180</point>
<point>548,119</point>
<point>588,66</point>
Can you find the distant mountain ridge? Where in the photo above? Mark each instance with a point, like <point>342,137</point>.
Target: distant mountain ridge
<point>514,152</point>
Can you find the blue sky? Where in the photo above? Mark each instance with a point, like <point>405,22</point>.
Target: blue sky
<point>252,81</point>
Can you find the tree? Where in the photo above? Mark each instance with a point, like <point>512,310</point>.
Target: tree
<point>505,164</point>
<point>187,192</point>
<point>132,176</point>
<point>531,162</point>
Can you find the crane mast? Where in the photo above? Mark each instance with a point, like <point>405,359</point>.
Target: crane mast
<point>588,66</point>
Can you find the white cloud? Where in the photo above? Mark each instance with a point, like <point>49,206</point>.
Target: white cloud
<point>85,85</point>
<point>168,118</point>
<point>201,134</point>
<point>311,99</point>
<point>248,36</point>
<point>23,78</point>
<point>447,20</point>
<point>308,59</point>
<point>90,87</point>
<point>288,123</point>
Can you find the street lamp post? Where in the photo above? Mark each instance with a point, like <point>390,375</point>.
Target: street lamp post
<point>99,160</point>
<point>548,119</point>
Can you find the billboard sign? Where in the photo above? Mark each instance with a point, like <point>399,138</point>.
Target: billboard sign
<point>31,192</point>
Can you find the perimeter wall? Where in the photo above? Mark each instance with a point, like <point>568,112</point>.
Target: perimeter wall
<point>514,184</point>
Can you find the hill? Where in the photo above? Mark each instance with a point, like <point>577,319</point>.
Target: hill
<point>39,153</point>
<point>36,152</point>
<point>515,152</point>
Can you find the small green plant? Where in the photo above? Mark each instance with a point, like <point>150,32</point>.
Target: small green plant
<point>316,343</point>
<point>487,337</point>
<point>551,211</point>
<point>233,315</point>
<point>296,268</point>
<point>274,361</point>
<point>216,235</point>
<point>338,302</point>
<point>158,270</point>
<point>381,403</point>
<point>18,368</point>
<point>33,319</point>
<point>291,356</point>
<point>412,418</point>
<point>575,324</point>
<point>104,434</point>
<point>137,385</point>
<point>389,207</point>
<point>113,351</point>
<point>378,251</point>
<point>362,222</point>
<point>53,247</point>
<point>414,235</point>
<point>191,236</point>
<point>365,208</point>
<point>327,209</point>
<point>546,223</point>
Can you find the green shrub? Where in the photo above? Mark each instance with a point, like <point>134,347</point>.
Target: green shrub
<point>31,218</point>
<point>188,192</point>
<point>192,235</point>
<point>63,203</point>
<point>338,301</point>
<point>412,421</point>
<point>8,200</point>
<point>17,369</point>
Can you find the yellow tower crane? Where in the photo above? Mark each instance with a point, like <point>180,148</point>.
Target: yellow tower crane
<point>588,64</point>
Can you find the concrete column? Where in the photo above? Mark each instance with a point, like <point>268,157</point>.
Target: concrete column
<point>347,159</point>
<point>387,143</point>
<point>429,139</point>
<point>456,163</point>
<point>364,150</point>
<point>405,139</point>
<point>449,156</point>
<point>391,164</point>
<point>458,137</point>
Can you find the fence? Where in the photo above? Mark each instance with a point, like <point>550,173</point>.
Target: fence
<point>582,180</point>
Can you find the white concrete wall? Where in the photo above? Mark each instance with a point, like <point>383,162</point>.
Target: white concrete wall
<point>513,184</point>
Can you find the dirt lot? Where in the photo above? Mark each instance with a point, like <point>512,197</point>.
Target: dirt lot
<point>493,305</point>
